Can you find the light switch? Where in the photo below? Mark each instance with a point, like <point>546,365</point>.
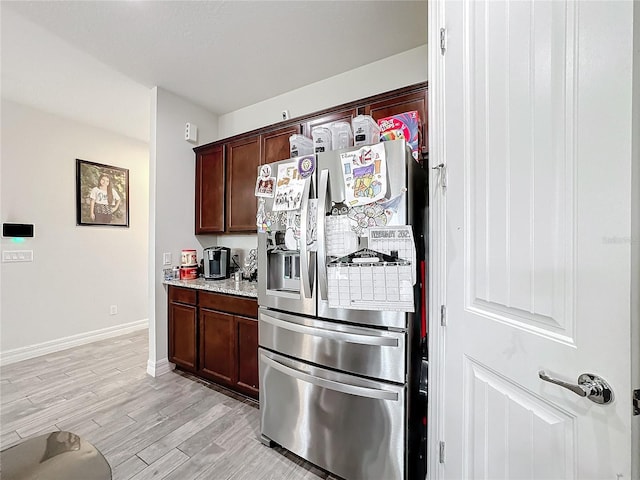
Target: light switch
<point>166,258</point>
<point>11,256</point>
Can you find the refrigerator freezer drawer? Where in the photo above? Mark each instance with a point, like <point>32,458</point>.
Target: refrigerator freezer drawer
<point>363,351</point>
<point>350,426</point>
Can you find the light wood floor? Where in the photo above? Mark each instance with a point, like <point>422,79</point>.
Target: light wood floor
<point>175,426</point>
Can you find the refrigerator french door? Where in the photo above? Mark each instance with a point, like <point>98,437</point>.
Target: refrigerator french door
<point>286,264</point>
<point>406,184</point>
<point>338,387</point>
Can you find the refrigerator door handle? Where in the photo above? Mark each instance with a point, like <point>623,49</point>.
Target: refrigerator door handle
<point>323,193</point>
<point>305,271</point>
<point>372,340</point>
<point>330,384</point>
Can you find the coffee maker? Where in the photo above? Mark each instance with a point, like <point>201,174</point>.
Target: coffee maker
<point>216,263</point>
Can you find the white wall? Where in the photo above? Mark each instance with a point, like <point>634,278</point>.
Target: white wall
<point>64,295</point>
<point>172,203</point>
<point>397,71</point>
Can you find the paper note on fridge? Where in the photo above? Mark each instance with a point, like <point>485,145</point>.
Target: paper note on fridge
<point>289,188</point>
<point>340,237</point>
<point>365,175</point>
<point>370,280</point>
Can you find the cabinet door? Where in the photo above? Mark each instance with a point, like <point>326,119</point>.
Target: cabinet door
<point>275,145</point>
<point>182,335</point>
<point>210,191</point>
<point>217,346</point>
<point>247,334</point>
<point>344,115</point>
<point>400,104</point>
<point>243,159</point>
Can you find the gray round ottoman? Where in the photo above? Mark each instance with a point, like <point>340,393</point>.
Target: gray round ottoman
<point>53,456</point>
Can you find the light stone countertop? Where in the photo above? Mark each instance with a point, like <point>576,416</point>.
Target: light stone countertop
<point>244,288</point>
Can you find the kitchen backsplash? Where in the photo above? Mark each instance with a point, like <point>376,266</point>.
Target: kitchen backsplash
<point>239,244</point>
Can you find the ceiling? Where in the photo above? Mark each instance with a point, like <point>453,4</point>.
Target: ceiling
<point>96,60</point>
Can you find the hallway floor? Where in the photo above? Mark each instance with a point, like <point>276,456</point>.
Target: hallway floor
<point>172,427</point>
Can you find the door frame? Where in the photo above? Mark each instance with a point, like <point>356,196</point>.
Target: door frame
<point>437,242</point>
<point>438,236</point>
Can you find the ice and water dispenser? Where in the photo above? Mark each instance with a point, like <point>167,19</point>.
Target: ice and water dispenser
<point>283,264</point>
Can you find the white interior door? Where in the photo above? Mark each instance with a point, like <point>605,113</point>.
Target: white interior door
<point>535,103</point>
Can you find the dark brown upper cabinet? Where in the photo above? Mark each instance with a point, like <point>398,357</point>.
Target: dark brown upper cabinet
<point>226,170</point>
<point>210,183</point>
<point>275,145</point>
<point>243,159</point>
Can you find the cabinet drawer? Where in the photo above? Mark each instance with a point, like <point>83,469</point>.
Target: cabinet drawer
<point>182,295</point>
<point>247,307</point>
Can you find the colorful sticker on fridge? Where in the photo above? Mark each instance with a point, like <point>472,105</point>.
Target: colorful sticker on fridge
<point>289,187</point>
<point>306,165</point>
<point>365,175</point>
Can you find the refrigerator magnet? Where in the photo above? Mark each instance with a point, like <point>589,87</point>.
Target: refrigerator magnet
<point>265,183</point>
<point>306,165</point>
<point>265,187</point>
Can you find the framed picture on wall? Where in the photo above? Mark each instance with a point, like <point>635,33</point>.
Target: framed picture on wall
<point>102,194</point>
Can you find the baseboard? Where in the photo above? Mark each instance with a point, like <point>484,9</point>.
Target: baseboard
<point>32,351</point>
<point>155,369</point>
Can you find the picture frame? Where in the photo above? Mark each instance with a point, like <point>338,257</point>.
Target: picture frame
<point>102,194</point>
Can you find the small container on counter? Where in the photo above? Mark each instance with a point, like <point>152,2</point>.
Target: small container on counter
<point>167,273</point>
<point>188,273</point>
<point>176,273</point>
<point>189,258</point>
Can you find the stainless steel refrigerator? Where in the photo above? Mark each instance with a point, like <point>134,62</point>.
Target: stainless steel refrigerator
<point>340,386</point>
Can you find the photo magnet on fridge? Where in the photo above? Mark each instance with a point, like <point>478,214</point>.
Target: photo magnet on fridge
<point>265,183</point>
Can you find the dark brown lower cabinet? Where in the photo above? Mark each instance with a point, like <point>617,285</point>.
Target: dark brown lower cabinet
<point>247,343</point>
<point>183,321</point>
<point>217,346</point>
<point>214,336</point>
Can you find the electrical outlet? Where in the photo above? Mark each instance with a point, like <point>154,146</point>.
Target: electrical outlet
<point>113,310</point>
<point>285,114</point>
<point>166,258</point>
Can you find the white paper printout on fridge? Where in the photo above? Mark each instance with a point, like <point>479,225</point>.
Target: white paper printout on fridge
<point>365,175</point>
<point>361,283</point>
<point>289,188</point>
<point>398,239</point>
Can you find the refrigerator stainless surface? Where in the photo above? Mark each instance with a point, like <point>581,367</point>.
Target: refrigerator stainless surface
<point>354,349</point>
<point>352,426</point>
<point>337,386</point>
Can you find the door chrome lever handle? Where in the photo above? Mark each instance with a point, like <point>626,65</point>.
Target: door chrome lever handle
<point>589,385</point>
